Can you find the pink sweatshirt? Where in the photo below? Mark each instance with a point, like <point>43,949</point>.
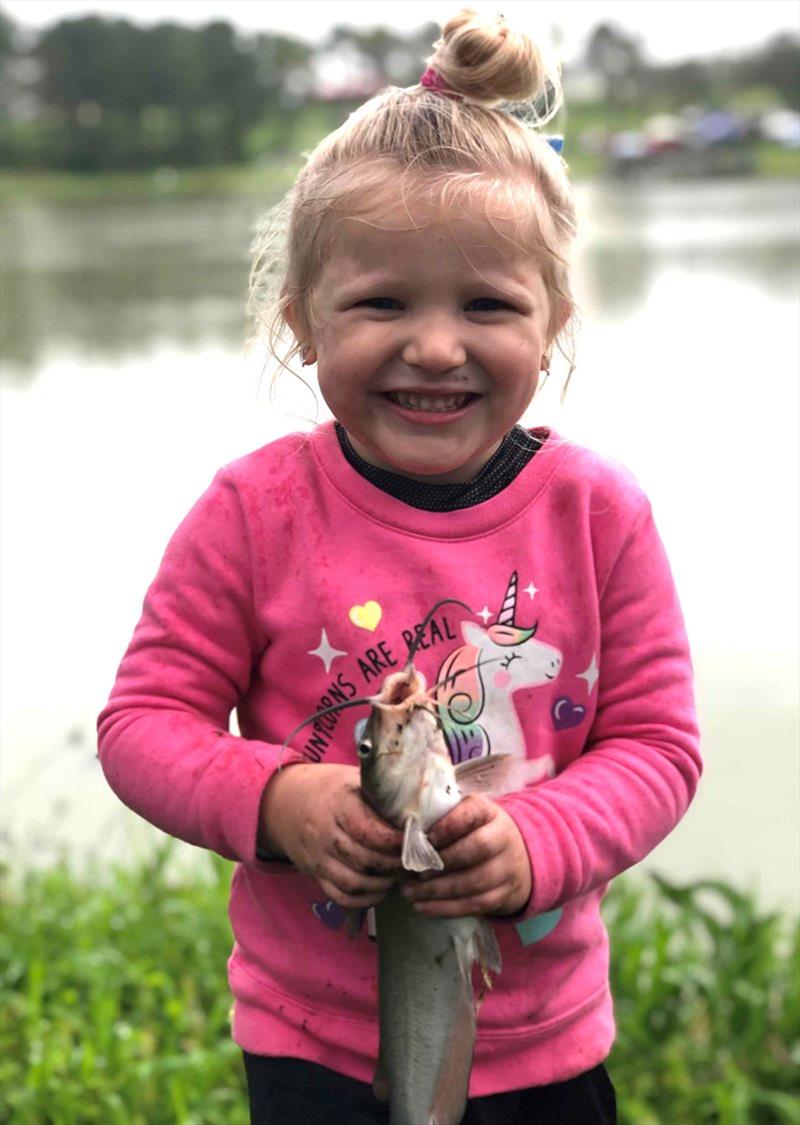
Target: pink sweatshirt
<point>294,583</point>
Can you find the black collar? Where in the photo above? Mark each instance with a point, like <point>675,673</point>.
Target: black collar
<point>515,451</point>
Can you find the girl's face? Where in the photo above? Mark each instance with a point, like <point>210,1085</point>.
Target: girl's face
<point>429,335</point>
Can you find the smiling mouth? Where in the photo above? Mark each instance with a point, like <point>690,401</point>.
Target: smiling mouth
<point>435,404</point>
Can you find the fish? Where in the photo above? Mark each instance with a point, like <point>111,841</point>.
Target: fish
<point>426,1003</point>
<point>427,1007</point>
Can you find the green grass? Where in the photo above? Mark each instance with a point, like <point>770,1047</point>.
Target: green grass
<point>707,999</point>
<point>775,162</point>
<point>115,1004</point>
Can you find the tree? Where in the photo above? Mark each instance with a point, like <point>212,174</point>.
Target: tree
<point>617,58</point>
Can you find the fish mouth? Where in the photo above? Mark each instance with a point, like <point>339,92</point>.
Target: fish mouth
<point>400,692</point>
<point>400,689</point>
<point>447,403</point>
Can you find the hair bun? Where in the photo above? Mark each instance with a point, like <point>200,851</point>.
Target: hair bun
<point>487,61</point>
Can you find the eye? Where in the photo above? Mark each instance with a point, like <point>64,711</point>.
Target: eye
<point>488,304</point>
<point>365,748</point>
<point>382,304</point>
<point>506,661</point>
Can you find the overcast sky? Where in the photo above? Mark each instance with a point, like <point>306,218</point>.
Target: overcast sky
<point>670,29</point>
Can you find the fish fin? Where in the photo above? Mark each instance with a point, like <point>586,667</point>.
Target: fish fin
<point>466,955</point>
<point>501,773</point>
<point>480,945</point>
<point>488,958</point>
<point>450,1096</point>
<point>488,949</point>
<point>419,853</point>
<point>354,918</point>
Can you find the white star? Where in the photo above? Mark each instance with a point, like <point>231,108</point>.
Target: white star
<point>591,674</point>
<point>326,652</point>
<point>531,591</point>
<point>485,613</point>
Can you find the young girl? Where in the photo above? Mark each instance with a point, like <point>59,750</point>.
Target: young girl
<point>427,278</point>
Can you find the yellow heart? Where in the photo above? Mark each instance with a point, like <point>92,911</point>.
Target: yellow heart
<point>366,616</point>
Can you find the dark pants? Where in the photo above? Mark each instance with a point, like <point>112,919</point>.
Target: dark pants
<point>295,1092</point>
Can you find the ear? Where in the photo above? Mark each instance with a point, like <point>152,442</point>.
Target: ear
<point>296,321</point>
<point>560,317</point>
<point>472,633</point>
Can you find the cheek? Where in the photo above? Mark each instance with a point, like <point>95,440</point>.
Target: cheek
<point>523,352</point>
<point>353,353</point>
<point>501,679</point>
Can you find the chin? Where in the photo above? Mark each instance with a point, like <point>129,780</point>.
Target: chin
<point>433,472</point>
<point>432,465</point>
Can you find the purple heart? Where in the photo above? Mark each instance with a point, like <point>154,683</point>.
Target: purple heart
<point>329,913</point>
<point>567,714</point>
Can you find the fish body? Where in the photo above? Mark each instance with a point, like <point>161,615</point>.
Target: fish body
<point>427,1009</point>
<point>427,1012</point>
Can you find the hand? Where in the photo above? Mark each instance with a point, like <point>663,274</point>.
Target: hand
<point>315,816</point>
<point>486,865</point>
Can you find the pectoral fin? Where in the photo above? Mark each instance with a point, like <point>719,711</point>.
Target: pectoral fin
<point>419,853</point>
<point>488,956</point>
<point>450,1096</point>
<point>501,773</point>
<point>478,945</point>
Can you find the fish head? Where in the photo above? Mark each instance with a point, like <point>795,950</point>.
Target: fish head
<point>397,743</point>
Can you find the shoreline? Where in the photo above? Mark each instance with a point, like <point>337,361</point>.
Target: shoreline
<point>270,177</point>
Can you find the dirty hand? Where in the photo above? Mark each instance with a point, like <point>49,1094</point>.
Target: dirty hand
<point>315,816</point>
<point>486,865</point>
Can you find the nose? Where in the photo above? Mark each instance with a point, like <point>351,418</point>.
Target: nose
<point>434,344</point>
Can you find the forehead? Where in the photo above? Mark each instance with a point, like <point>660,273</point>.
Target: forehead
<point>402,233</point>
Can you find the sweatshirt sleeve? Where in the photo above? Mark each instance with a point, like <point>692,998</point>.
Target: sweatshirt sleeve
<point>163,738</point>
<point>641,764</point>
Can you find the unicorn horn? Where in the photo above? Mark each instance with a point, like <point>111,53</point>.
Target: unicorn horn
<point>506,614</point>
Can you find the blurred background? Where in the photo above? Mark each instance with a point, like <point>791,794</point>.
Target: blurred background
<point>141,144</point>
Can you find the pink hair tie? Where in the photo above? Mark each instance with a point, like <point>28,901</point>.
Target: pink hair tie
<point>434,81</point>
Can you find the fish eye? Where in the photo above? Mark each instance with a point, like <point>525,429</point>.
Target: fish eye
<point>365,748</point>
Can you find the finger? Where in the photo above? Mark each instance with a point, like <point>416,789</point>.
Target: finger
<point>361,824</point>
<point>473,849</point>
<point>473,812</point>
<point>350,882</point>
<point>361,859</point>
<point>351,902</point>
<point>491,903</point>
<point>464,884</point>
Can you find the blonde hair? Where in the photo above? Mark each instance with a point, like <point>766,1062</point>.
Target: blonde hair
<point>450,145</point>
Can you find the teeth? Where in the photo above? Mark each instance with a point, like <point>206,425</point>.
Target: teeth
<point>440,404</point>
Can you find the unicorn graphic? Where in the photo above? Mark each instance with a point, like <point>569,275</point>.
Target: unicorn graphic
<point>478,680</point>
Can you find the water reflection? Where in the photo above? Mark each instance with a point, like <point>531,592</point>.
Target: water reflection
<point>117,279</point>
<point>745,230</point>
<point>122,279</point>
<point>124,391</point>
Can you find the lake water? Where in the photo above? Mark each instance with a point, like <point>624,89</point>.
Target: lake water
<point>125,386</point>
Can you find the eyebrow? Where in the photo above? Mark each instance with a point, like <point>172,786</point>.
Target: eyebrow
<point>385,278</point>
